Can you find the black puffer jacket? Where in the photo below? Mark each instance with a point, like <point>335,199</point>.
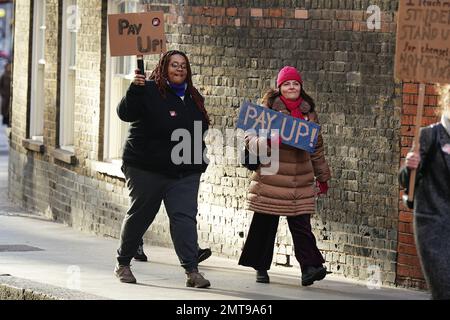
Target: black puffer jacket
<point>153,120</point>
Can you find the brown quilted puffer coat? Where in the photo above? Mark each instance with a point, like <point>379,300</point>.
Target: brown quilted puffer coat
<point>291,191</point>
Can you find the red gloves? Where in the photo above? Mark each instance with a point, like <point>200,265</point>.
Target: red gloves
<point>274,138</point>
<point>323,188</point>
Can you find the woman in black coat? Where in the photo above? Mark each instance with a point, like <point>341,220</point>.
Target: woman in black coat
<point>163,160</point>
<point>5,92</point>
<point>432,200</point>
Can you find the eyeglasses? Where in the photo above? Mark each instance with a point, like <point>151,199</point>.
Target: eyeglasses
<point>176,65</point>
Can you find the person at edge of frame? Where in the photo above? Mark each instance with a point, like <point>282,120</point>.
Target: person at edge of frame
<point>432,199</point>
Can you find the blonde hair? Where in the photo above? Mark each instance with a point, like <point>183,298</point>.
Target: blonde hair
<point>444,99</point>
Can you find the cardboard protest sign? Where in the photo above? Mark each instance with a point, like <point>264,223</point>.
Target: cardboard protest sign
<point>136,34</point>
<point>295,132</point>
<point>423,41</point>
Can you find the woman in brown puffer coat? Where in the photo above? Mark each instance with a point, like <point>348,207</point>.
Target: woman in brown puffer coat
<point>290,192</point>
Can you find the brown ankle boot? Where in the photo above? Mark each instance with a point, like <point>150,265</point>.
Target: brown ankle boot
<point>124,274</point>
<point>196,280</point>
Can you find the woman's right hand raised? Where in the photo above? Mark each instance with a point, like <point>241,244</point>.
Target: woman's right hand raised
<point>139,79</point>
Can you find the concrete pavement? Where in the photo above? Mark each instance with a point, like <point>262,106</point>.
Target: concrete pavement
<point>65,260</point>
<point>63,257</point>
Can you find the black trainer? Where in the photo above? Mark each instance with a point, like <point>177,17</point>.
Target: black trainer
<point>262,276</point>
<point>140,254</point>
<point>312,274</point>
<point>203,254</point>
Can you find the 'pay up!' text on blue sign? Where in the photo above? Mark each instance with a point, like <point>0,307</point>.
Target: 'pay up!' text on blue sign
<point>295,132</point>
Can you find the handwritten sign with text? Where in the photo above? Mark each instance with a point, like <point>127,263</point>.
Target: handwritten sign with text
<point>423,41</point>
<point>136,33</point>
<point>295,132</point>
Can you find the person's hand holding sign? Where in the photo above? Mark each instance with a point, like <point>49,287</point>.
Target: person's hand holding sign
<point>412,160</point>
<point>274,138</point>
<point>139,79</point>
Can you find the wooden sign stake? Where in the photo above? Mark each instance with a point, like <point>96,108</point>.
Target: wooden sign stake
<point>416,148</point>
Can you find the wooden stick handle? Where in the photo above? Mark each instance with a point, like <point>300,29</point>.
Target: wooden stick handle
<point>416,145</point>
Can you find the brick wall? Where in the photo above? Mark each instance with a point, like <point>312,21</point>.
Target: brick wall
<point>21,66</point>
<point>409,271</point>
<point>90,77</point>
<point>52,71</point>
<point>236,49</point>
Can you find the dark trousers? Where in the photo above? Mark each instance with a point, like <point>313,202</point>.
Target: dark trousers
<point>147,191</point>
<point>5,110</point>
<point>258,248</point>
<point>431,231</point>
<point>141,243</point>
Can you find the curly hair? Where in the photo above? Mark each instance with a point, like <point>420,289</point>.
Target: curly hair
<point>444,100</point>
<point>160,75</point>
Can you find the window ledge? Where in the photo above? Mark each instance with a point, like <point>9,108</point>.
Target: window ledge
<point>125,76</point>
<point>33,145</point>
<point>64,156</point>
<point>110,169</point>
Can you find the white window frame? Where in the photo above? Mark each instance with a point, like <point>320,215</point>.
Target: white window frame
<point>37,97</point>
<point>68,76</point>
<point>117,82</point>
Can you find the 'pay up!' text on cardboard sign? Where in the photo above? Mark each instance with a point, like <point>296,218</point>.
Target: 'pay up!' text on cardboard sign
<point>136,33</point>
<point>423,41</point>
<point>295,132</point>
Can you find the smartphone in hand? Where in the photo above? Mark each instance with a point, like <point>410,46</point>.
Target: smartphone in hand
<point>140,65</point>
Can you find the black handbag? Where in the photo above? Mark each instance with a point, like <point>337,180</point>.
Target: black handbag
<point>249,161</point>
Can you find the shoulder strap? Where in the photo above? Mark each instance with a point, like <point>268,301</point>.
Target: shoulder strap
<point>431,148</point>
<point>426,159</point>
<point>437,136</point>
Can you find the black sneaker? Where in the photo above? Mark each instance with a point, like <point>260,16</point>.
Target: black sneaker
<point>203,254</point>
<point>262,276</point>
<point>140,254</point>
<point>312,274</point>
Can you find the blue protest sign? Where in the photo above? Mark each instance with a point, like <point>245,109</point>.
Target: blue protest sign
<point>295,132</point>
